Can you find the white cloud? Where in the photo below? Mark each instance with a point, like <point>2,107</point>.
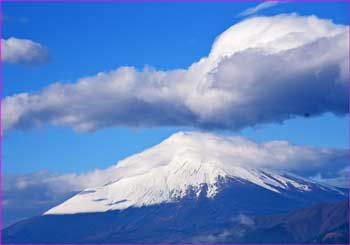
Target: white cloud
<point>261,6</point>
<point>339,179</point>
<point>23,51</point>
<point>222,236</point>
<point>261,70</point>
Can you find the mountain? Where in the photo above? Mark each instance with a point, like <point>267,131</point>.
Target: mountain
<point>322,223</point>
<point>190,163</point>
<point>188,186</point>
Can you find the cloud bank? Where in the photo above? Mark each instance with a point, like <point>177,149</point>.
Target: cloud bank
<point>42,190</point>
<point>259,7</point>
<point>261,70</point>
<point>23,51</point>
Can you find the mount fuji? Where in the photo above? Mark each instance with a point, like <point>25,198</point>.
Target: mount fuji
<point>187,188</point>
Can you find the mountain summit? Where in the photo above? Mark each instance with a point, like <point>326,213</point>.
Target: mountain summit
<point>191,164</point>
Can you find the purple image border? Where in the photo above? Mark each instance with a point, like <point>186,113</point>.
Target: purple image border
<point>165,1</point>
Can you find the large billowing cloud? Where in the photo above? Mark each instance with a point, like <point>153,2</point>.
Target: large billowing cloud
<point>23,51</point>
<point>261,70</point>
<point>42,190</point>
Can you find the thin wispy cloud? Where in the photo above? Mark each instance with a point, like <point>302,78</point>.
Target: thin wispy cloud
<point>22,20</point>
<point>259,7</point>
<point>23,51</point>
<point>261,70</point>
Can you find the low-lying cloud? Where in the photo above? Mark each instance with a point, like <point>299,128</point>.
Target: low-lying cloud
<point>261,70</point>
<point>222,236</point>
<point>28,195</point>
<point>23,51</point>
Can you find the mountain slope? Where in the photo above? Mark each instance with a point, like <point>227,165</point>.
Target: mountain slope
<point>321,223</point>
<point>186,222</point>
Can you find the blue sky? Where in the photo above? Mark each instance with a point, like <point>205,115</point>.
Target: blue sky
<point>87,38</point>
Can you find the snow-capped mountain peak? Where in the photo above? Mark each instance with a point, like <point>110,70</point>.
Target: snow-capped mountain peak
<point>185,162</point>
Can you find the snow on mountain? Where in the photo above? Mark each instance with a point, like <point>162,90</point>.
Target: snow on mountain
<point>188,161</point>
